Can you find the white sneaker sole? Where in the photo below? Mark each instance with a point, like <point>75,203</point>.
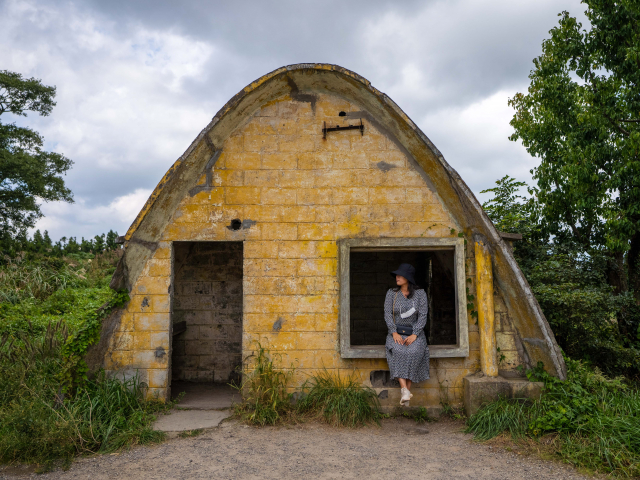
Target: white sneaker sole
<point>405,401</point>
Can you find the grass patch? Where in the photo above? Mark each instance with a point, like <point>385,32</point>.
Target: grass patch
<point>40,291</point>
<point>594,420</point>
<point>191,433</point>
<point>38,424</point>
<point>339,400</point>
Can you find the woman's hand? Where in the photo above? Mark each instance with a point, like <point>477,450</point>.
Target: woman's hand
<point>397,338</point>
<point>410,339</point>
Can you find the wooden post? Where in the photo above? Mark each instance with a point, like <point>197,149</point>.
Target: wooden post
<point>486,318</point>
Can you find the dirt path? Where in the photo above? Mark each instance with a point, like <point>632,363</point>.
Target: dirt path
<point>399,449</point>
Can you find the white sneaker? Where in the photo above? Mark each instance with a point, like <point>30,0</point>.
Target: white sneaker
<point>406,396</point>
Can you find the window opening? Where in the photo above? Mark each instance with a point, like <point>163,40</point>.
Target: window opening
<point>371,279</point>
<point>364,275</point>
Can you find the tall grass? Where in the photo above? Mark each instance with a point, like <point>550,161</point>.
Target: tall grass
<point>38,424</point>
<point>597,420</point>
<point>336,399</point>
<point>39,291</point>
<point>339,400</point>
<point>266,400</point>
<point>22,280</point>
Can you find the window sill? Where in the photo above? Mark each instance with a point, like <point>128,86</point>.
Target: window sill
<point>378,351</point>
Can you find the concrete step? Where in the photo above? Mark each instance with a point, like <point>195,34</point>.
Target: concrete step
<point>185,420</point>
<point>201,405</point>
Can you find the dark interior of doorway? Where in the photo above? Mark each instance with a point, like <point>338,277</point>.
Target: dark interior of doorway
<point>370,278</point>
<point>206,352</point>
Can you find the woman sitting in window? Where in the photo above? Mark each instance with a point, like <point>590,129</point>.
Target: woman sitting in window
<point>405,312</point>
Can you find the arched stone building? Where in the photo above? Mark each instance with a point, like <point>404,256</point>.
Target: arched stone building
<point>281,222</point>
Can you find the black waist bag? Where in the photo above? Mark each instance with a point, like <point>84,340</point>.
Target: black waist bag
<point>404,329</point>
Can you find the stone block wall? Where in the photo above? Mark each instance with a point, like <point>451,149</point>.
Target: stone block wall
<point>296,194</point>
<point>208,298</point>
<point>141,343</point>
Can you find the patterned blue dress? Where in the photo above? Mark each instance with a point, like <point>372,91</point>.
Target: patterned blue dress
<point>412,361</point>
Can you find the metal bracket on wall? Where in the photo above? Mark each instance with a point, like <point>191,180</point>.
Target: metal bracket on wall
<point>338,128</point>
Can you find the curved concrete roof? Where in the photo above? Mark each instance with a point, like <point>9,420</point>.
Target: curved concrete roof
<point>300,81</point>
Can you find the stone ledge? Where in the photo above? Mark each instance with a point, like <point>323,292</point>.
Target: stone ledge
<point>479,391</point>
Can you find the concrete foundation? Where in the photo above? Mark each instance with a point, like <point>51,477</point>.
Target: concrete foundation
<point>182,421</point>
<point>479,391</point>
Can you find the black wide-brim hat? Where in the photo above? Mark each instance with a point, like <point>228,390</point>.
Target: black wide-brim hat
<point>407,271</point>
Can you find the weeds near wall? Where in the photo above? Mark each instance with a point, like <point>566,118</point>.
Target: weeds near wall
<point>338,400</point>
<point>596,419</point>
<point>448,409</point>
<point>266,400</point>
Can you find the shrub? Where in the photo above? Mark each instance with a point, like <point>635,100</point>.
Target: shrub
<point>264,391</point>
<point>339,400</point>
<point>581,285</point>
<point>597,419</point>
<point>73,305</point>
<point>49,410</point>
<point>586,316</point>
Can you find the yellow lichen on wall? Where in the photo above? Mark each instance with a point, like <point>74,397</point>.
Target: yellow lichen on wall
<point>297,194</point>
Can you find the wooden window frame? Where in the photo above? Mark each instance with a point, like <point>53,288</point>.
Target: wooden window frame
<point>346,246</point>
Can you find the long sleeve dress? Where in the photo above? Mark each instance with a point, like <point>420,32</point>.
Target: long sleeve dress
<point>407,361</point>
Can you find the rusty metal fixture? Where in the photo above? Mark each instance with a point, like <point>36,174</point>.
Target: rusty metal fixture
<point>338,128</point>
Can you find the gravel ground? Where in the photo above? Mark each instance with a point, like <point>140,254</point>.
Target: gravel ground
<point>400,448</point>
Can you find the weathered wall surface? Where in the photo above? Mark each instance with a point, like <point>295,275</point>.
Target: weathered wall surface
<point>295,195</point>
<point>208,298</point>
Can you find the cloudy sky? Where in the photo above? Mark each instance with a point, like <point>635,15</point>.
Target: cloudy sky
<point>138,79</point>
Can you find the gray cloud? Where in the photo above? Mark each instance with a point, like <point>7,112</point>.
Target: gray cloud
<point>137,80</point>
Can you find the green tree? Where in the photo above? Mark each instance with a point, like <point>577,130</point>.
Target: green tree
<point>591,321</point>
<point>515,213</point>
<point>510,211</point>
<point>112,238</point>
<point>28,174</point>
<point>581,117</point>
<point>98,243</point>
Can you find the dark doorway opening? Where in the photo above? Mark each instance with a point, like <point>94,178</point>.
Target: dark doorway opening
<point>370,279</point>
<point>207,319</point>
